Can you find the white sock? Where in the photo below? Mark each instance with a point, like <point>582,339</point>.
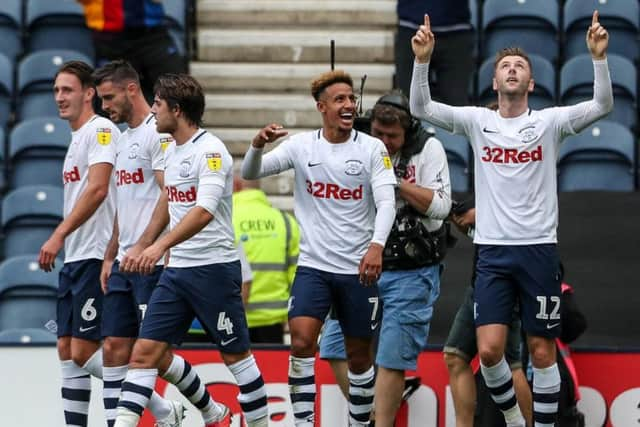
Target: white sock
<point>546,394</point>
<point>253,393</point>
<point>500,384</point>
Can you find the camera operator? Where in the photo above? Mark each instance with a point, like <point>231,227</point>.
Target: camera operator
<point>410,281</point>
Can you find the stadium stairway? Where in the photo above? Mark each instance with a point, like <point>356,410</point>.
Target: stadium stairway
<point>256,59</point>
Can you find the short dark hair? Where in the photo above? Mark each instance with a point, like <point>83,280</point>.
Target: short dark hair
<point>183,91</point>
<point>81,70</point>
<point>390,115</point>
<point>511,51</point>
<point>327,79</point>
<point>392,108</point>
<point>118,71</point>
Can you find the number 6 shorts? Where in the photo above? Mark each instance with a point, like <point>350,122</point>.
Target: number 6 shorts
<point>79,310</point>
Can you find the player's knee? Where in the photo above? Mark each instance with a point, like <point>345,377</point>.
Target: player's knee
<point>116,351</point>
<point>490,355</point>
<point>455,364</point>
<point>359,363</point>
<point>303,346</point>
<point>541,357</point>
<point>146,354</point>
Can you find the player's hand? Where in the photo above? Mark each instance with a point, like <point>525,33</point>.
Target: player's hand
<point>127,265</point>
<point>148,259</point>
<point>105,272</point>
<point>597,38</point>
<point>423,42</point>
<point>267,134</point>
<point>371,265</point>
<point>49,251</point>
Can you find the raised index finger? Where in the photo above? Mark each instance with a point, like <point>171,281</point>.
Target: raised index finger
<point>594,18</point>
<point>427,22</point>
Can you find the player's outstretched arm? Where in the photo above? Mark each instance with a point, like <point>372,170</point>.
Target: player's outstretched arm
<point>423,42</point>
<point>597,38</point>
<point>585,113</point>
<point>253,165</point>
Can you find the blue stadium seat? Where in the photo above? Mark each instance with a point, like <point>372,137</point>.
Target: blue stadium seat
<point>544,76</point>
<point>10,28</point>
<point>175,19</point>
<point>36,74</point>
<point>37,148</point>
<point>621,18</point>
<point>27,336</point>
<point>601,157</point>
<point>458,157</point>
<point>6,89</point>
<point>576,85</point>
<point>29,215</point>
<point>532,25</point>
<point>3,178</point>
<point>475,13</point>
<point>28,295</point>
<point>57,25</point>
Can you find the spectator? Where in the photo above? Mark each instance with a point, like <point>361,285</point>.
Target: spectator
<point>515,152</point>
<point>344,200</point>
<point>271,239</point>
<point>453,61</point>
<point>134,30</point>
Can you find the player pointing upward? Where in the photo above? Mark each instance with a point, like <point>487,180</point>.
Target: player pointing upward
<point>515,151</point>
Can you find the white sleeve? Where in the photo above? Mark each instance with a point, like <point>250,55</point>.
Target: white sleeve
<point>385,200</point>
<point>381,167</point>
<point>421,104</point>
<point>102,146</point>
<point>575,118</point>
<point>255,165</point>
<point>213,168</point>
<point>156,153</point>
<point>434,175</point>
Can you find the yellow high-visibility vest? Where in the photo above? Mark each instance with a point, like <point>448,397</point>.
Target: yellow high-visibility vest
<point>271,240</point>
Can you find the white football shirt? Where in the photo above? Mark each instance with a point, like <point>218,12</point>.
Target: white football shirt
<point>333,195</point>
<point>139,154</point>
<point>202,160</point>
<point>95,142</point>
<point>515,158</point>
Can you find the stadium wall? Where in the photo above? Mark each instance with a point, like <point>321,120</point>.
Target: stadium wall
<point>610,386</point>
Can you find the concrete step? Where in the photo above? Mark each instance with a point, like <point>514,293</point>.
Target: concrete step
<point>304,13</point>
<point>265,77</point>
<point>282,45</point>
<point>237,140</point>
<point>255,110</point>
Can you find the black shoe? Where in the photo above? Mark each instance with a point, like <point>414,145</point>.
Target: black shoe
<point>411,384</point>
